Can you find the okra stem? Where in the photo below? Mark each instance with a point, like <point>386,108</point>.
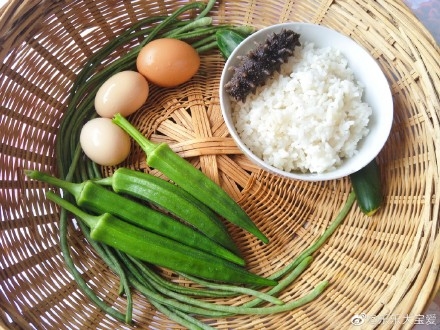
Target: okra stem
<point>90,220</point>
<point>73,188</point>
<point>189,178</point>
<point>146,145</point>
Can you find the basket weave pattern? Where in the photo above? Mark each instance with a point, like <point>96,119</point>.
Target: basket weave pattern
<point>384,265</point>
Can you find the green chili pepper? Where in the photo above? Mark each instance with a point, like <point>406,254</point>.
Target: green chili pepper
<point>227,41</point>
<point>159,250</point>
<point>97,199</point>
<point>164,159</point>
<point>172,198</point>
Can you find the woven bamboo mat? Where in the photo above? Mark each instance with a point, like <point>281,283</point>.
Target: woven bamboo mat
<point>386,265</point>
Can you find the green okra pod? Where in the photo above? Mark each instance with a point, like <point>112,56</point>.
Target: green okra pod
<point>172,198</point>
<point>159,250</point>
<point>97,199</point>
<point>161,157</point>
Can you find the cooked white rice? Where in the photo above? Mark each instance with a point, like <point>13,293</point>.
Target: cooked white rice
<point>307,118</point>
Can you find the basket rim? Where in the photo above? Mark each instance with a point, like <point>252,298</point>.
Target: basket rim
<point>19,20</point>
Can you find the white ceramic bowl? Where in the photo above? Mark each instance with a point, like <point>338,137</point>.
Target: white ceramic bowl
<point>376,93</point>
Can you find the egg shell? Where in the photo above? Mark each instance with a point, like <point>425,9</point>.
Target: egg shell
<point>104,142</point>
<point>168,62</point>
<point>124,93</point>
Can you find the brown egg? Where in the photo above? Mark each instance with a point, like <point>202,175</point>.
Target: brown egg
<point>124,93</point>
<point>168,62</point>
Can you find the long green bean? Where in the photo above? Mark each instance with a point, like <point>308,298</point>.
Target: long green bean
<point>67,164</point>
<point>176,302</point>
<point>173,303</point>
<point>285,282</point>
<point>144,286</point>
<point>69,261</point>
<point>77,275</point>
<point>85,87</point>
<point>248,308</point>
<point>190,305</point>
<point>156,278</point>
<point>125,285</point>
<point>200,22</point>
<point>135,31</point>
<point>111,259</point>
<point>183,319</point>
<point>237,289</point>
<point>321,240</point>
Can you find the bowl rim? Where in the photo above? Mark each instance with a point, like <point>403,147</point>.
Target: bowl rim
<point>384,121</point>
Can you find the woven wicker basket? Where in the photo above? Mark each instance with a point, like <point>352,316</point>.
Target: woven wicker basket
<point>386,266</point>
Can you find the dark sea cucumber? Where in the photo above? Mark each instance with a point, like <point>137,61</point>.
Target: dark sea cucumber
<point>261,63</point>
